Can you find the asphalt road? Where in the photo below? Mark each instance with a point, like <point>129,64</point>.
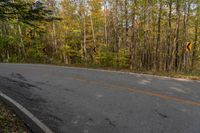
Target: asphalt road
<point>74,100</point>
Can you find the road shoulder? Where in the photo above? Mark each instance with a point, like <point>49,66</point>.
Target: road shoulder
<point>33,123</point>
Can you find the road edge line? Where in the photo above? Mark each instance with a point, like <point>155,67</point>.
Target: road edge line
<point>30,120</point>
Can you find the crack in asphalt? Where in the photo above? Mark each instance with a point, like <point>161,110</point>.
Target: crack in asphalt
<point>18,76</point>
<point>111,123</point>
<point>19,83</point>
<point>161,114</point>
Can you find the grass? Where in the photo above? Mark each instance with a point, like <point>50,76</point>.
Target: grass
<point>9,122</point>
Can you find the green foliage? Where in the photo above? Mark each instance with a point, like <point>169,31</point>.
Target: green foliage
<point>25,12</point>
<point>34,55</point>
<point>105,57</point>
<point>149,36</point>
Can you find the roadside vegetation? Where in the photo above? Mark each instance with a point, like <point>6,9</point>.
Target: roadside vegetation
<point>9,122</point>
<point>145,36</point>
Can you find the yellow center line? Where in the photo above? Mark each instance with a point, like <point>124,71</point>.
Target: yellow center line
<point>142,91</point>
<point>166,97</point>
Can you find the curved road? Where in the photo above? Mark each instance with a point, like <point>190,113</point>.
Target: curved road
<point>75,100</point>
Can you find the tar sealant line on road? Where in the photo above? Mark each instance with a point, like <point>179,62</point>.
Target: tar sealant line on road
<point>23,110</point>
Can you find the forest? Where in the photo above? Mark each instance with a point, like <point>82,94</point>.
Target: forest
<point>140,35</point>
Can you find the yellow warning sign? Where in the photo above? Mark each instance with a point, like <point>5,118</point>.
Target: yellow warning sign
<point>189,46</point>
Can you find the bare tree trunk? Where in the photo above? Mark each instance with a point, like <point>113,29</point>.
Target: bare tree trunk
<point>184,58</point>
<point>94,39</point>
<point>126,21</point>
<point>84,40</point>
<point>195,39</point>
<point>169,56</point>
<point>158,38</point>
<point>116,32</point>
<point>133,42</point>
<point>105,22</point>
<point>176,38</point>
<point>54,37</point>
<point>93,34</point>
<point>21,41</point>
